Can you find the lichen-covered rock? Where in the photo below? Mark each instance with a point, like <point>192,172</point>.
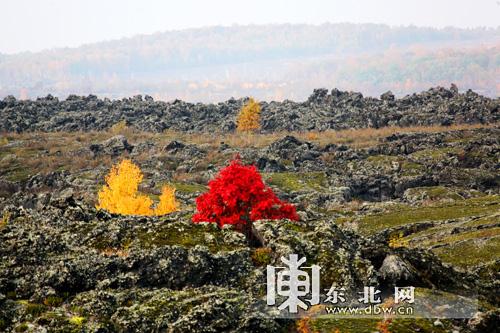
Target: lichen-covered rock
<point>114,146</point>
<point>322,111</point>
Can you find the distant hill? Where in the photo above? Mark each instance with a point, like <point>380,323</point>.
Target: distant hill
<point>270,62</point>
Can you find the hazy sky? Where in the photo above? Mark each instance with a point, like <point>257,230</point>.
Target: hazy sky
<point>33,25</point>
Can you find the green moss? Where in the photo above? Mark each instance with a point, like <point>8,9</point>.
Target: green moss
<point>102,242</point>
<point>441,233</point>
<point>23,327</point>
<point>18,174</point>
<point>189,188</point>
<point>411,168</point>
<point>59,320</point>
<point>77,309</point>
<point>11,294</point>
<point>187,235</point>
<point>77,320</point>
<point>4,152</point>
<point>53,301</point>
<point>295,226</point>
<point>297,181</point>
<point>160,307</point>
<point>475,234</point>
<point>483,221</point>
<point>435,153</point>
<point>435,193</point>
<point>407,168</point>
<point>470,252</point>
<point>35,309</point>
<point>438,192</point>
<point>165,234</point>
<point>329,263</point>
<point>382,160</point>
<point>403,214</point>
<point>350,325</point>
<point>422,325</point>
<point>262,256</point>
<point>368,325</point>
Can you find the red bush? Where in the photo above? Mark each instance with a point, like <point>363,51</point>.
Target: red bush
<point>238,196</point>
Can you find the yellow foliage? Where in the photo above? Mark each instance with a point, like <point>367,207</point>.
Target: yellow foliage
<point>119,128</point>
<point>120,194</point>
<point>77,320</point>
<point>249,117</point>
<point>5,219</point>
<point>397,240</point>
<point>167,203</point>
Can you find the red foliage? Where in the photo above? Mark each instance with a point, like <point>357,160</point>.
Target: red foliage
<point>238,196</point>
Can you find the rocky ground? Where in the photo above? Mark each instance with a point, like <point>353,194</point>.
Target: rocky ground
<point>408,206</point>
<point>323,110</point>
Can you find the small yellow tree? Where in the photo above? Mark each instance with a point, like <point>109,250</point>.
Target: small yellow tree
<point>120,194</point>
<point>249,117</point>
<point>167,203</point>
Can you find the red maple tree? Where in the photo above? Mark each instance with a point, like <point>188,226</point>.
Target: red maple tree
<point>238,196</point>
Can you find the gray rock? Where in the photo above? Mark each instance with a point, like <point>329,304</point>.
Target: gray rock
<point>114,146</point>
<point>322,111</point>
<point>395,270</point>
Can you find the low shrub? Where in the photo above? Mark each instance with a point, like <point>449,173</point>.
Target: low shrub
<point>238,196</point>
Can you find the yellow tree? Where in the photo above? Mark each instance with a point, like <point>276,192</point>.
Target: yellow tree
<point>120,194</point>
<point>167,203</point>
<point>249,117</point>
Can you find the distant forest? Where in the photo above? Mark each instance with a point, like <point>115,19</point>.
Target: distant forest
<point>269,62</point>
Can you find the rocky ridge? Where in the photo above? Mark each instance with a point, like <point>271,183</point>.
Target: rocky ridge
<point>322,111</point>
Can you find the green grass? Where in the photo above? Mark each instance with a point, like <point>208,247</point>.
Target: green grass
<point>189,188</point>
<point>345,325</point>
<point>411,168</point>
<point>463,236</point>
<point>404,214</point>
<point>484,221</point>
<point>165,234</point>
<point>435,153</point>
<point>297,181</point>
<point>188,235</point>
<point>17,173</point>
<point>407,168</point>
<point>435,193</point>
<point>35,309</point>
<point>470,252</point>
<point>468,247</point>
<point>367,325</point>
<point>382,160</point>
